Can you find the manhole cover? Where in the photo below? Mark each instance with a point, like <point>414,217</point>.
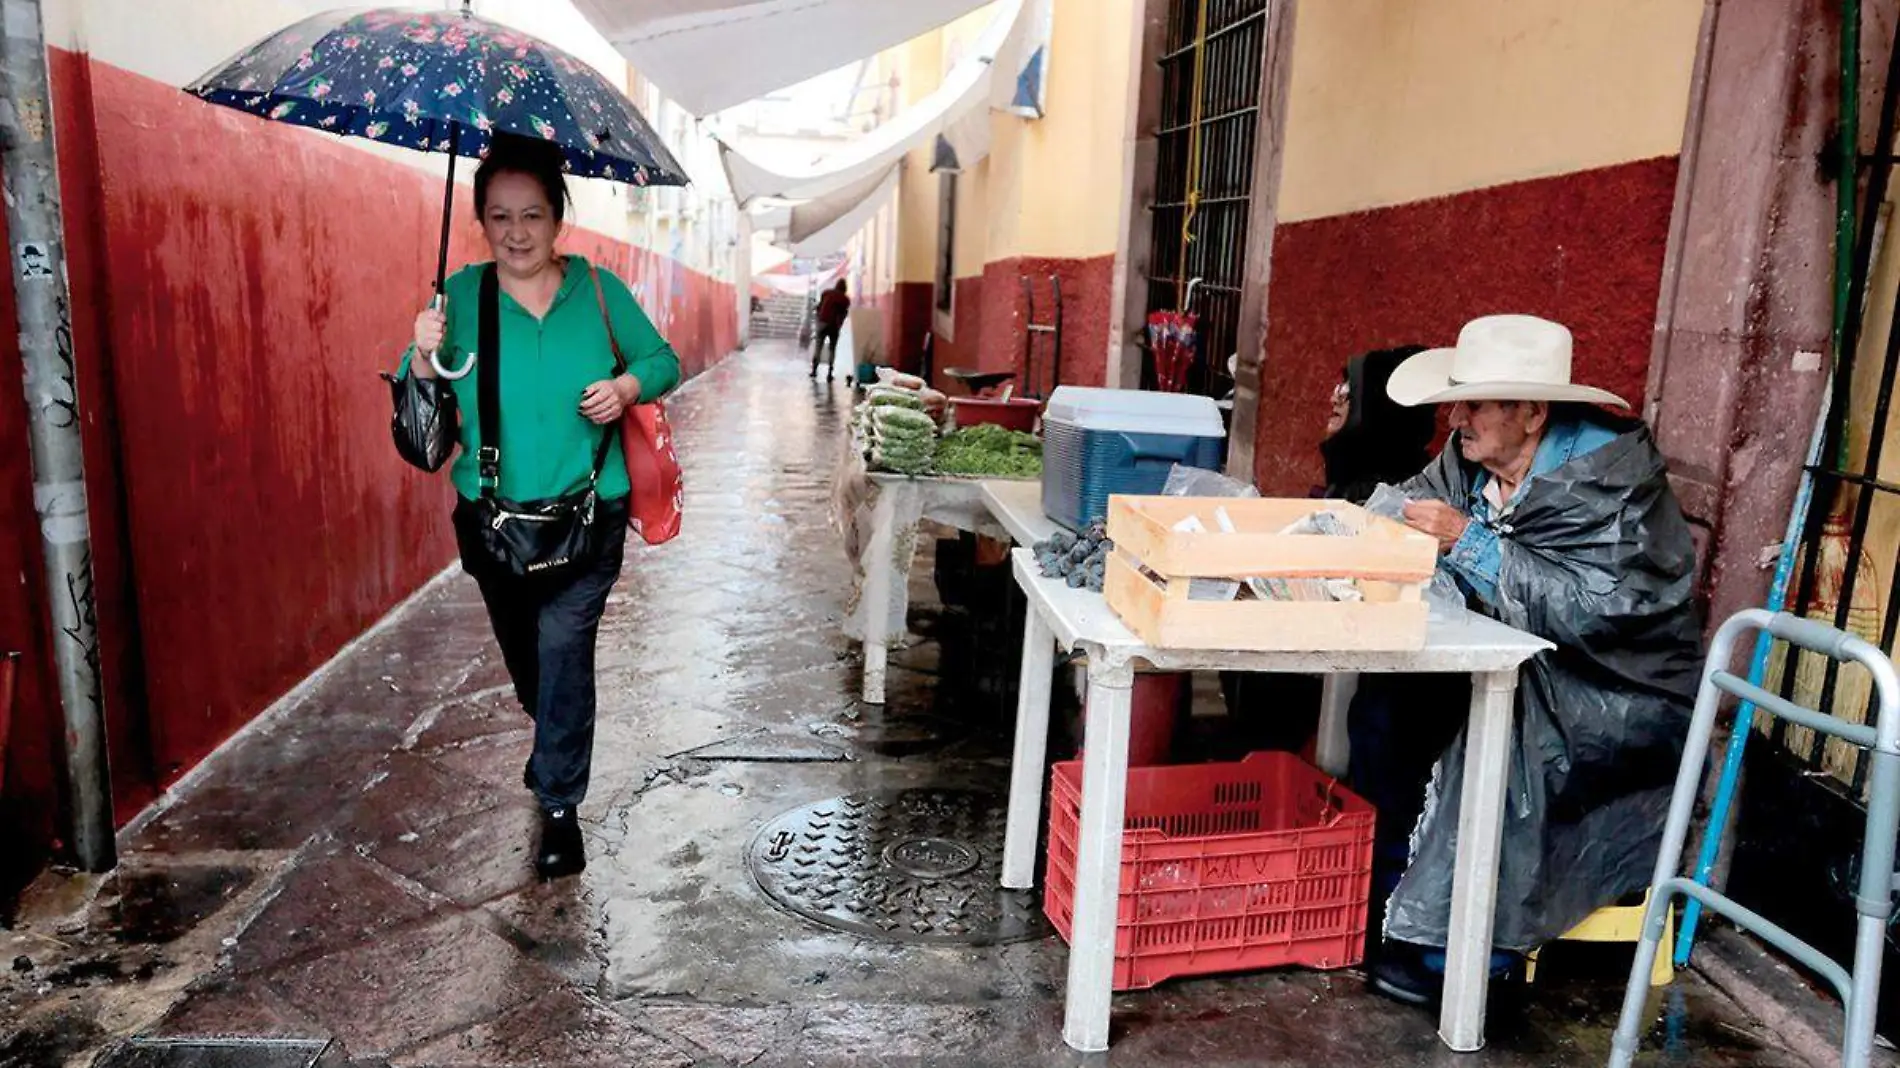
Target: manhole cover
<point>904,866</point>
<point>931,858</point>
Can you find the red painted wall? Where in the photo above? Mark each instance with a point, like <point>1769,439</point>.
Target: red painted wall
<point>1584,249</point>
<point>696,313</point>
<point>964,346</point>
<point>908,319</point>
<point>1087,285</point>
<point>237,285</point>
<point>992,318</point>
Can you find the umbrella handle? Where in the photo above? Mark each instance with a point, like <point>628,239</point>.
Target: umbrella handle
<point>1187,302</point>
<point>435,358</point>
<point>435,361</point>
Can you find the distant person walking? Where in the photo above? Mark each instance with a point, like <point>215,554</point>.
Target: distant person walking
<point>833,309</point>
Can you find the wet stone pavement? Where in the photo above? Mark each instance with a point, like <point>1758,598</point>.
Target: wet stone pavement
<point>349,882</point>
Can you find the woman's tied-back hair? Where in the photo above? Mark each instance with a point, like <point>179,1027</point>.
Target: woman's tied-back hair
<point>538,159</point>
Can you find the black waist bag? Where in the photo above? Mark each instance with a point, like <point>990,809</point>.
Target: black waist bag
<point>548,538</point>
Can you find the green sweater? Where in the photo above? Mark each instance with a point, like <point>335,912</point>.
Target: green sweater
<point>547,447</point>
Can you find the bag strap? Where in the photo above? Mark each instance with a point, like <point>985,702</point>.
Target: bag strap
<point>600,293</point>
<point>488,383</point>
<point>488,386</point>
<point>620,368</point>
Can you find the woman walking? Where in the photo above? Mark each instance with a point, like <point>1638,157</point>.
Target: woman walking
<point>559,350</point>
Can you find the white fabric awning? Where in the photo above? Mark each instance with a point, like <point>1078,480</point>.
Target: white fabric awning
<point>771,220</point>
<point>712,54</point>
<point>1014,41</point>
<point>823,226</point>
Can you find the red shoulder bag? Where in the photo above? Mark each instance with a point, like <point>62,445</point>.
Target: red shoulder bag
<point>653,468</point>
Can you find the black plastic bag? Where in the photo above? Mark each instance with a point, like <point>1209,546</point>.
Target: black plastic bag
<point>425,421</point>
<point>1597,558</point>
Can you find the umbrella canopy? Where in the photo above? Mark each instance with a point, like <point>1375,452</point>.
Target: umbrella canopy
<point>441,81</point>
<point>1173,338</point>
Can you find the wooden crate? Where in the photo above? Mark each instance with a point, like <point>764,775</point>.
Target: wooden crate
<point>1390,562</point>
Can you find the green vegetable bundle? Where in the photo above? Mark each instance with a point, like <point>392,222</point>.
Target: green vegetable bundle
<point>990,451</point>
<point>894,398</point>
<point>901,436</point>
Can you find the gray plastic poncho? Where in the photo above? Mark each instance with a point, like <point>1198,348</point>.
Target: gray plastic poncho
<point>1595,557</point>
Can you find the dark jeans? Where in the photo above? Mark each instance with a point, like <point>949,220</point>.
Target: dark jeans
<point>1399,726</point>
<point>825,333</point>
<point>547,631</point>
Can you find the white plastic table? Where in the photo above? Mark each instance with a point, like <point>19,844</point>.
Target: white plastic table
<point>1080,620</point>
<point>878,514</point>
<point>1017,504</point>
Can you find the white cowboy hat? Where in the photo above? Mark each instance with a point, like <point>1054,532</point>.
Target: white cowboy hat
<point>1498,357</point>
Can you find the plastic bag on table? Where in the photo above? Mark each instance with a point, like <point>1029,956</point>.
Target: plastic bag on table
<point>1442,594</point>
<point>1200,482</point>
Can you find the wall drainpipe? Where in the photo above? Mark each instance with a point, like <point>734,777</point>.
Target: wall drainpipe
<point>30,172</point>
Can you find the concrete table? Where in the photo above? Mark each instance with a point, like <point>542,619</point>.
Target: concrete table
<point>1080,620</point>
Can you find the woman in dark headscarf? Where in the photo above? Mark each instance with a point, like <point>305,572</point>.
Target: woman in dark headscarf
<point>1369,439</point>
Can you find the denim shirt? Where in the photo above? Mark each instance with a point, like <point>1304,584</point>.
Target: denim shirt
<point>1476,557</point>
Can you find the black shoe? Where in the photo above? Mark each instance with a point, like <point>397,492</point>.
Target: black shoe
<point>1415,975</point>
<point>1399,972</point>
<point>561,853</point>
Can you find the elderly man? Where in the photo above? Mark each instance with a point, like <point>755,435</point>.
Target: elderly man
<point>1556,519</point>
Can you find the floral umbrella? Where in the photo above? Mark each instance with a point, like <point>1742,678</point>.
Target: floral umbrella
<point>441,81</point>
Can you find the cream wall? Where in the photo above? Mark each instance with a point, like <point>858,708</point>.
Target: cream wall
<point>1395,101</point>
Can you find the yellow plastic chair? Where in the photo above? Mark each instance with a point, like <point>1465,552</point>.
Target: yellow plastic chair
<point>1622,923</point>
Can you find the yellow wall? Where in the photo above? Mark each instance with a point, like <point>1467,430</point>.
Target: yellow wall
<point>1071,170</point>
<point>1395,101</point>
<point>976,190</point>
<point>918,66</point>
<point>1050,187</point>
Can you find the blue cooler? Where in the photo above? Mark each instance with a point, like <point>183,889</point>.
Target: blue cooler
<point>1097,443</point>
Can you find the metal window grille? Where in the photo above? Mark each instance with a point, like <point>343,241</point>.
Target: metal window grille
<point>1850,549</point>
<point>1230,56</point>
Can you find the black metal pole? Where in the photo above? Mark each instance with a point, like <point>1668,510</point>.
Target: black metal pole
<point>448,210</point>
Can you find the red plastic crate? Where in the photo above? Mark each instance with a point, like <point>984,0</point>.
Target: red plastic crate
<point>1225,868</point>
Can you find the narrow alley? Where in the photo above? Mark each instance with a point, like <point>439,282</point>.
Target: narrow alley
<point>351,876</point>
